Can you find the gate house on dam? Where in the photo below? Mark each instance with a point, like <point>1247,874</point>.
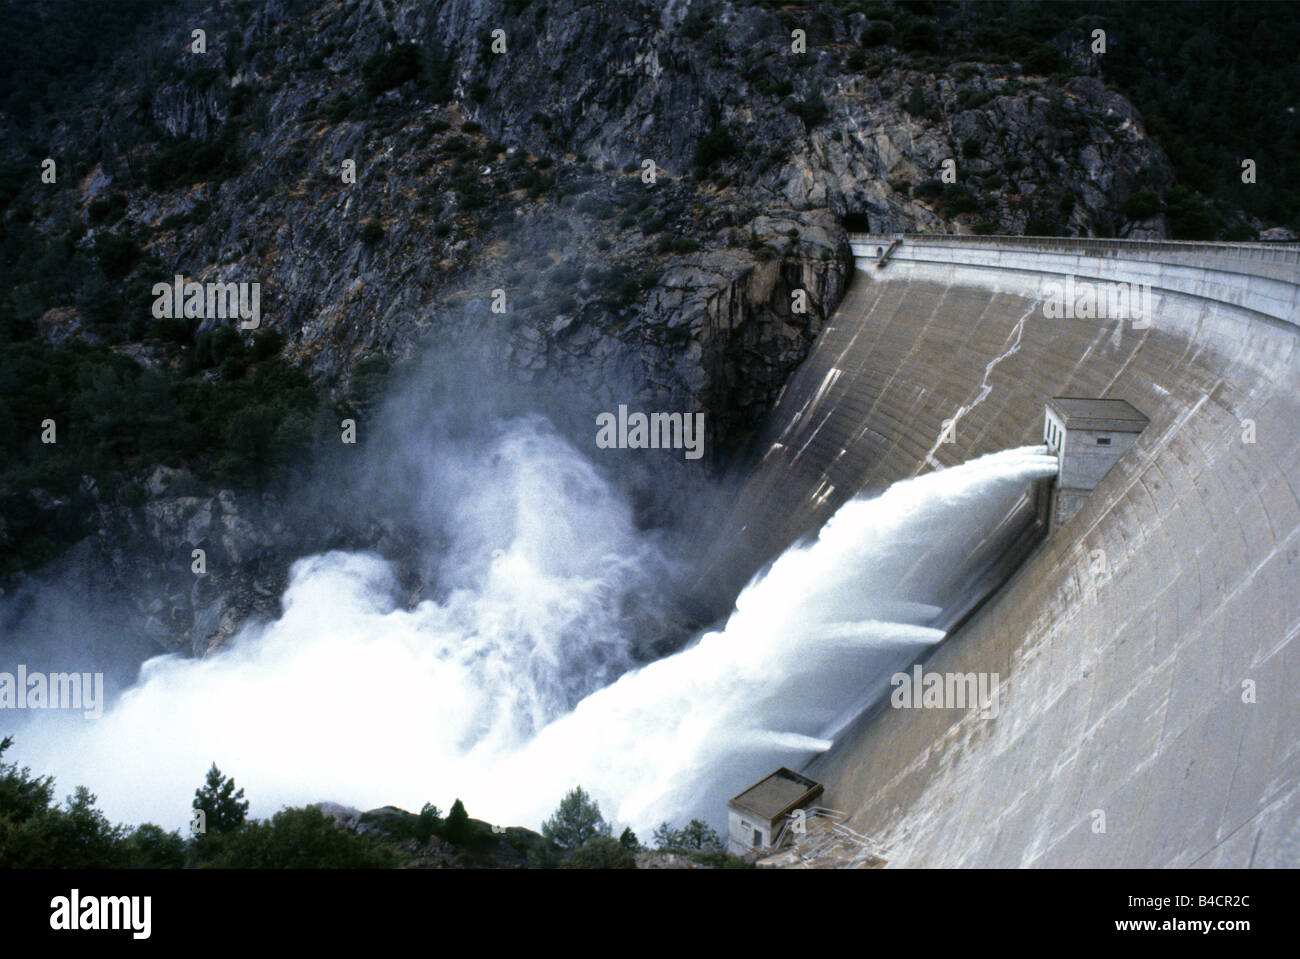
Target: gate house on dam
<point>1088,436</point>
<point>755,817</point>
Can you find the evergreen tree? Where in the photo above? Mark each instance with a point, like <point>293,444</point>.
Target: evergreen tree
<point>22,796</point>
<point>576,822</point>
<point>458,829</point>
<point>697,836</point>
<point>152,847</point>
<point>224,808</point>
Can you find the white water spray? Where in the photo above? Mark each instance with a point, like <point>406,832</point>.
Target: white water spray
<point>500,692</point>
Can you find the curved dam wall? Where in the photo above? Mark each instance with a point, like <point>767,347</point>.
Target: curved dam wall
<point>1145,651</point>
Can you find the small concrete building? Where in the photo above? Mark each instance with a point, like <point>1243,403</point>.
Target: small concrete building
<point>1088,436</point>
<point>755,817</point>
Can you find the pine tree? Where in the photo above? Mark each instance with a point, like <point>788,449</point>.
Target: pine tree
<point>458,829</point>
<point>576,821</point>
<point>629,841</point>
<point>224,808</point>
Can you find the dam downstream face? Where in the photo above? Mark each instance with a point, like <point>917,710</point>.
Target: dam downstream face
<point>1146,649</point>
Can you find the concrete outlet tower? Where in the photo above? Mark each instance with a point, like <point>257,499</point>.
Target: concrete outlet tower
<point>1088,436</point>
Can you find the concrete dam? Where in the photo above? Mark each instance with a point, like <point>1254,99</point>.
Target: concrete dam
<point>1146,648</point>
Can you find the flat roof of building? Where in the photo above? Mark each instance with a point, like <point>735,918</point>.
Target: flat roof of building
<point>1081,413</point>
<point>777,794</point>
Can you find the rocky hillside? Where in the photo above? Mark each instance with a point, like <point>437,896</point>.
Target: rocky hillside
<point>618,200</point>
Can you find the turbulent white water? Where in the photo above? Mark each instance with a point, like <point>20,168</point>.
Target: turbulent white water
<point>500,691</point>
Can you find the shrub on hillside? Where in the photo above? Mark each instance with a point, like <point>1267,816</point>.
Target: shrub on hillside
<point>601,852</point>
<point>303,838</point>
<point>389,69</point>
<point>1141,205</point>
<point>715,146</point>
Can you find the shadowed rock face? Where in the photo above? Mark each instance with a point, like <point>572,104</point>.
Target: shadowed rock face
<point>1124,641</point>
<point>666,76</point>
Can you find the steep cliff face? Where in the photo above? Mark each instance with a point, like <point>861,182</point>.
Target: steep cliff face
<point>595,88</point>
<point>506,196</point>
<point>818,128</point>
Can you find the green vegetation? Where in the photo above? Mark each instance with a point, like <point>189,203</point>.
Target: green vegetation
<point>1044,223</point>
<point>616,283</point>
<point>761,76</point>
<point>1211,81</point>
<point>920,104</point>
<point>677,244</point>
<point>303,838</point>
<point>1189,218</point>
<point>601,852</point>
<point>291,839</point>
<point>958,199</point>
<point>584,839</point>
<point>458,828</point>
<point>224,808</point>
<point>916,34</point>
<point>181,161</point>
<point>696,836</point>
<point>117,254</point>
<point>391,68</point>
<point>1142,205</point>
<point>106,211</point>
<point>576,822</point>
<point>627,839</point>
<point>971,99</point>
<point>344,107</point>
<point>699,841</point>
<point>215,403</point>
<point>877,33</point>
<point>811,109</point>
<point>715,146</point>
<point>252,424</point>
<point>36,832</point>
<point>404,62</point>
<point>53,52</point>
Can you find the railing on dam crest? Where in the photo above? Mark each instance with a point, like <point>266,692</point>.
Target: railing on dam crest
<point>1262,278</point>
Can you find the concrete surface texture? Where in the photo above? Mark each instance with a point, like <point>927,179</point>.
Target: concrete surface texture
<point>1146,650</point>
